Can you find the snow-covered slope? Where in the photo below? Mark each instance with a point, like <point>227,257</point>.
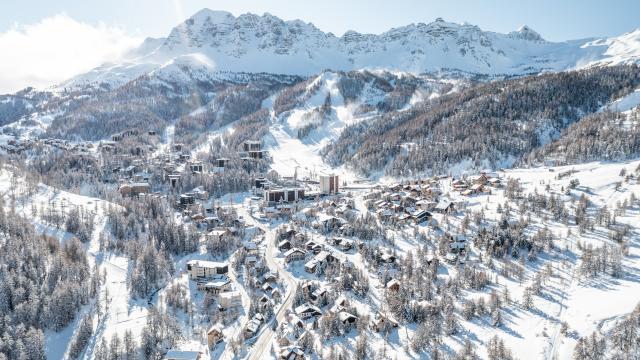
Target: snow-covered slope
<point>253,43</point>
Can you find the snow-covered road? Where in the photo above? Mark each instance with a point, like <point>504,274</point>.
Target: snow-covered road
<point>266,335</point>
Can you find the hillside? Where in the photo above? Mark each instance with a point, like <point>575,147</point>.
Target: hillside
<point>491,125</point>
<point>254,188</point>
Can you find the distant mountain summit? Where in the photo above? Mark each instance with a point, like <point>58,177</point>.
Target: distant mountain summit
<point>526,33</point>
<point>254,43</point>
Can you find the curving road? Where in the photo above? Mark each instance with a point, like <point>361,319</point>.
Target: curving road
<point>266,334</point>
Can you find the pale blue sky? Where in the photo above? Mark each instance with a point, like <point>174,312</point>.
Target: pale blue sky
<point>553,19</point>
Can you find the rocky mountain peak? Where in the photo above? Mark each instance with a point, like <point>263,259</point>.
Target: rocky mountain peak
<point>526,33</point>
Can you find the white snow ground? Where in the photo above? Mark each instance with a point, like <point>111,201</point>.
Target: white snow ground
<point>123,312</point>
<point>586,305</point>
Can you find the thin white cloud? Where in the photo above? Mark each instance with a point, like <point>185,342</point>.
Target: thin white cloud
<point>55,49</point>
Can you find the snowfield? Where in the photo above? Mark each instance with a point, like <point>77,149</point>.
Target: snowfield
<point>415,48</point>
<point>209,194</point>
<point>584,304</point>
<point>217,40</point>
<point>124,313</point>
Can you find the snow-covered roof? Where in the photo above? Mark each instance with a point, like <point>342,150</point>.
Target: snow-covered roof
<point>253,325</point>
<point>218,283</point>
<point>207,264</point>
<point>393,282</point>
<point>443,204</point>
<point>250,245</point>
<point>182,355</point>
<point>323,255</point>
<point>140,184</point>
<point>230,295</point>
<point>218,232</point>
<point>294,250</point>
<point>344,316</point>
<point>215,328</point>
<point>306,308</point>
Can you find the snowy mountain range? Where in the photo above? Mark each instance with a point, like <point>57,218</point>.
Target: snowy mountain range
<point>219,41</point>
<point>483,198</point>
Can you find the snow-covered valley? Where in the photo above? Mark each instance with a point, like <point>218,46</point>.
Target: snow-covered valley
<point>560,313</point>
<point>254,188</point>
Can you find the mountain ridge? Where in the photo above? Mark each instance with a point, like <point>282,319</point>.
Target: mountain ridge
<point>266,43</point>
